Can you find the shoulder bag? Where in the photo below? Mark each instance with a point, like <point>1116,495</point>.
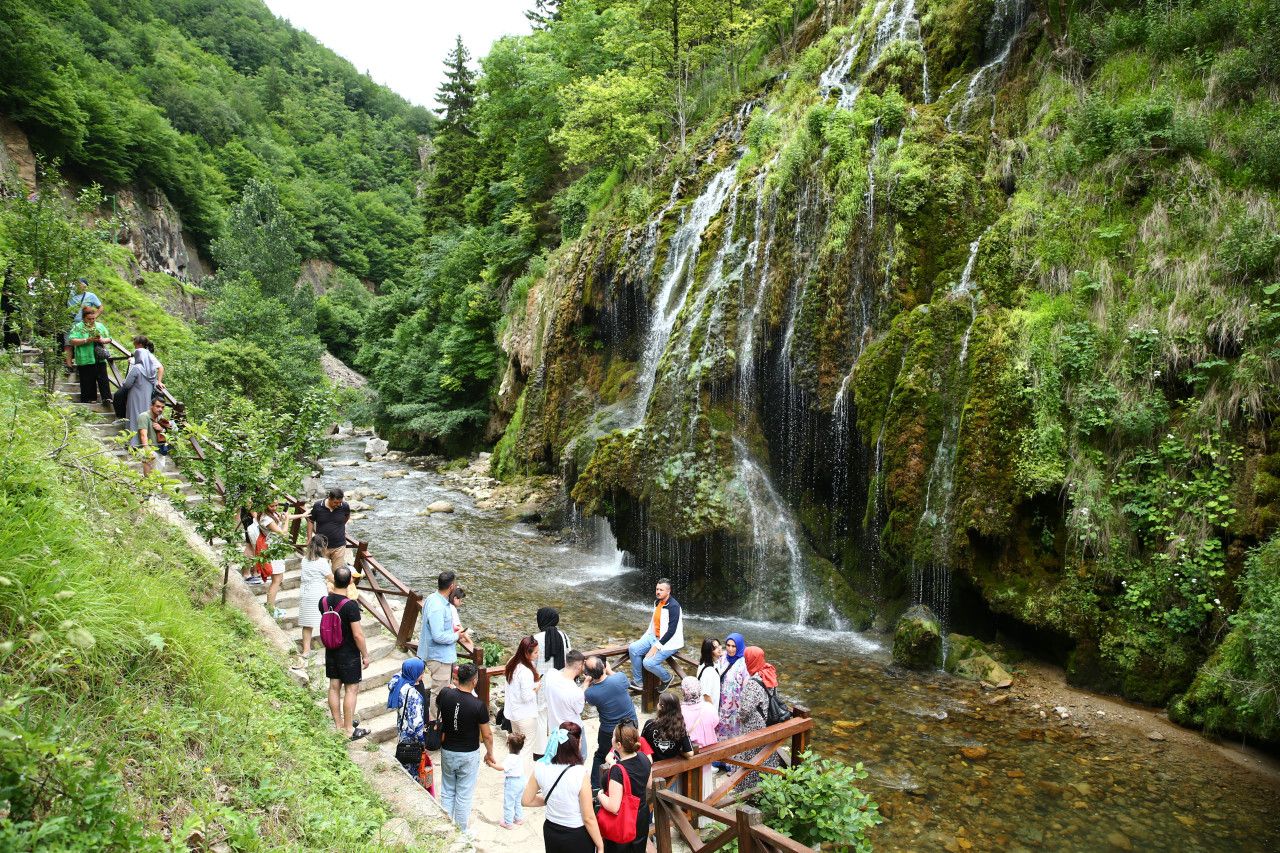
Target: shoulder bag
<point>620,828</point>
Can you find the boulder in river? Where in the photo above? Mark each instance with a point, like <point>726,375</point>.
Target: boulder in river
<point>438,506</point>
<point>983,668</point>
<point>375,448</point>
<point>917,641</point>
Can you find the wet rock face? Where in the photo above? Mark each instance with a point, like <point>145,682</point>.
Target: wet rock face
<point>15,154</point>
<point>917,641</point>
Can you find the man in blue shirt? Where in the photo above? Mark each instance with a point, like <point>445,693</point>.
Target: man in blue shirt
<point>607,691</point>
<point>438,645</point>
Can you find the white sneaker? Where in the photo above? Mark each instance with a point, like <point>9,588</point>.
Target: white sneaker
<point>277,613</point>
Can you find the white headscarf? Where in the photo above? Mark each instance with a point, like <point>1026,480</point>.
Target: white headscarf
<point>147,364</point>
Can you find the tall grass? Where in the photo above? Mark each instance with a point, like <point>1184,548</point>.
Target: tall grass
<point>133,715</point>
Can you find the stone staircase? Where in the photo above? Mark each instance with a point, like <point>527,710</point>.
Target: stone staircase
<point>384,659</point>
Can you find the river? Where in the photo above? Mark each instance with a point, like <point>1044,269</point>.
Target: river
<point>1047,783</point>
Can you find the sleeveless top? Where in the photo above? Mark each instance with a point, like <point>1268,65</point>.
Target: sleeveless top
<point>562,808</point>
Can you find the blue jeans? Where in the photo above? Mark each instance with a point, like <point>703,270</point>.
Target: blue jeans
<point>512,791</point>
<point>458,774</point>
<point>653,664</point>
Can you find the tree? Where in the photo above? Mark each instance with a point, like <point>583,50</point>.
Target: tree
<point>261,241</point>
<point>608,120</point>
<point>44,248</point>
<point>453,166</point>
<point>543,13</point>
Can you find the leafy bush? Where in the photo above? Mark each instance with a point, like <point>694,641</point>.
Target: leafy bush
<point>818,802</point>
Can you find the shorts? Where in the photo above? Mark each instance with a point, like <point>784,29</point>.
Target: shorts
<point>267,568</point>
<point>337,557</point>
<point>342,666</point>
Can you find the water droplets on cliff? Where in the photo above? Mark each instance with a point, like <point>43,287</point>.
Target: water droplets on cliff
<point>774,540</point>
<point>1003,29</point>
<point>890,21</point>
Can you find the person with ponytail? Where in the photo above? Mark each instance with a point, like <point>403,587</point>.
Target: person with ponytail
<point>627,758</point>
<point>523,686</point>
<point>561,783</point>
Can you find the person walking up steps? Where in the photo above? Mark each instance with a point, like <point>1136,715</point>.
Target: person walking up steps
<point>344,665</point>
<point>663,637</point>
<point>88,339</point>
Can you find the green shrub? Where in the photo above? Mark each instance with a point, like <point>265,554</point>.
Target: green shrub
<point>818,802</point>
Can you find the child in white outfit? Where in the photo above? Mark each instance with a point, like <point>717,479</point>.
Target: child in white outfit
<point>512,782</point>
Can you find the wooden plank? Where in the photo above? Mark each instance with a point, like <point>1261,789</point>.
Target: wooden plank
<point>747,818</point>
<point>726,749</point>
<point>702,809</point>
<point>775,840</point>
<point>408,620</point>
<point>662,826</point>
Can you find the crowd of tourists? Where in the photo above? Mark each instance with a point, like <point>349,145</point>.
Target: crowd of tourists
<point>594,798</point>
<point>140,401</point>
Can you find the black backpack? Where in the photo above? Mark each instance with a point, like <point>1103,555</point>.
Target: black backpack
<point>775,710</point>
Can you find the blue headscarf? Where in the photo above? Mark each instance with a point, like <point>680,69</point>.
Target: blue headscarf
<point>557,737</point>
<point>410,671</point>
<point>739,644</point>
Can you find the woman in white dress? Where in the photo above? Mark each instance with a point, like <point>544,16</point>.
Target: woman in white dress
<point>317,581</point>
<point>523,683</point>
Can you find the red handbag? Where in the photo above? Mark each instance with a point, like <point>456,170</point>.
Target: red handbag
<point>620,828</point>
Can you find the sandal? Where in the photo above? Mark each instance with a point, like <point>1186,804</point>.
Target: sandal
<point>359,733</point>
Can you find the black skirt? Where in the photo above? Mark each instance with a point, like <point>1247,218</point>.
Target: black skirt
<point>562,839</point>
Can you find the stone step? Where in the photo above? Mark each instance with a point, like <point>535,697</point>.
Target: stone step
<point>382,728</point>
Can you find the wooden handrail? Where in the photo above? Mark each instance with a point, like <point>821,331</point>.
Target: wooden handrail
<point>400,626</point>
<point>800,723</point>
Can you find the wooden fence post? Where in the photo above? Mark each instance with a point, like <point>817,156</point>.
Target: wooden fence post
<point>799,740</point>
<point>482,682</point>
<point>649,696</point>
<point>408,620</point>
<point>748,817</point>
<point>362,551</point>
<point>295,526</point>
<point>662,825</point>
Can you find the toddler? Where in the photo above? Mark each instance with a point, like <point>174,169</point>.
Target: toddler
<point>512,782</point>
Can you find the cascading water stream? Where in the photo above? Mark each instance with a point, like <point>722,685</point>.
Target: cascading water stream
<point>931,585</point>
<point>894,20</point>
<point>1003,29</point>
<point>774,539</point>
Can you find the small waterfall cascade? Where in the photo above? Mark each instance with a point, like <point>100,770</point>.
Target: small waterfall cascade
<point>775,542</point>
<point>753,284</point>
<point>677,276</point>
<point>1007,20</point>
<point>931,584</point>
<point>893,20</point>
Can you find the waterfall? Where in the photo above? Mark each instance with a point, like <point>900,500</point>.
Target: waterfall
<point>677,276</point>
<point>1003,29</point>
<point>774,539</point>
<point>894,20</point>
<point>932,585</point>
<point>758,258</point>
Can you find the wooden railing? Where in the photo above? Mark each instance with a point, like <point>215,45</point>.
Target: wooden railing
<point>648,696</point>
<point>679,811</point>
<point>377,580</point>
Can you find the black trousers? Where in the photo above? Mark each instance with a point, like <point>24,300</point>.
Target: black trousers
<point>604,743</point>
<point>93,382</point>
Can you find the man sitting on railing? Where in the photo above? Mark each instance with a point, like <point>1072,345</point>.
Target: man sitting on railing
<point>663,637</point>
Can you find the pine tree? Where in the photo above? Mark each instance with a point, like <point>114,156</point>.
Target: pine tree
<point>455,158</point>
<point>543,13</point>
<point>457,94</point>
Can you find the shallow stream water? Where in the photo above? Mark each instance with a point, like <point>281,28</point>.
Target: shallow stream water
<point>1045,784</point>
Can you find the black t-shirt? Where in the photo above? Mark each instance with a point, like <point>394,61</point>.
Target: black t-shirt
<point>349,610</point>
<point>331,523</point>
<point>637,768</point>
<point>461,716</point>
<point>662,748</point>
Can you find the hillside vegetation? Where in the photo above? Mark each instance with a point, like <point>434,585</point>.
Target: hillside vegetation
<point>137,714</point>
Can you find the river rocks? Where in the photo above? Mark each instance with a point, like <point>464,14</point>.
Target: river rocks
<point>917,641</point>
<point>438,506</point>
<point>983,668</point>
<point>359,506</point>
<point>394,474</point>
<point>375,448</point>
<point>1119,841</point>
<point>974,753</point>
<point>1154,735</point>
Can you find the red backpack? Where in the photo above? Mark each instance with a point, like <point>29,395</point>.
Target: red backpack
<point>331,624</point>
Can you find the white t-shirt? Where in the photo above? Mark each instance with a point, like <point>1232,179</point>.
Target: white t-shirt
<point>457,623</point>
<point>564,699</point>
<point>563,808</point>
<point>513,766</point>
<point>710,681</point>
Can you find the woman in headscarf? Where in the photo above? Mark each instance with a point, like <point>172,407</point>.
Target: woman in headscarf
<point>754,707</point>
<point>735,678</point>
<point>144,379</point>
<point>406,696</point>
<point>553,644</point>
<point>700,721</point>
